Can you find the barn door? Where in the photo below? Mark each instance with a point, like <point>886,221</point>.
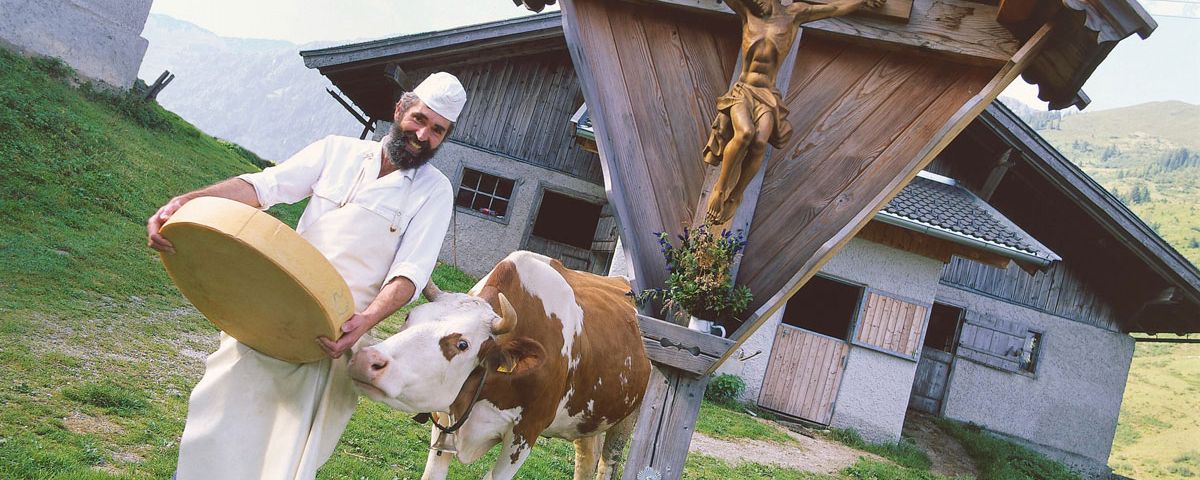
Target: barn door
<point>929,386</point>
<point>937,358</point>
<point>803,374</point>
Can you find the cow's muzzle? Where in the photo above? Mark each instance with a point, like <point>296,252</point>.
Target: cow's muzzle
<point>368,365</point>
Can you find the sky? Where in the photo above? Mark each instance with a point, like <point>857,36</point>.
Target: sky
<point>1164,67</point>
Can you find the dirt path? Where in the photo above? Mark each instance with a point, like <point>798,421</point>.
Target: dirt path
<point>808,454</point>
<point>948,456</point>
<point>824,455</point>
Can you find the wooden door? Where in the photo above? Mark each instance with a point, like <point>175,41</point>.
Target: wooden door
<point>929,387</point>
<point>803,374</point>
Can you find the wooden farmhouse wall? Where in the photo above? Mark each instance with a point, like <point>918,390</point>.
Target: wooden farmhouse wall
<point>1081,287</point>
<point>521,107</point>
<point>860,114</point>
<point>1059,290</point>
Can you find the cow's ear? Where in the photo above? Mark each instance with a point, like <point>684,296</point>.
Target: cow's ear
<point>514,356</point>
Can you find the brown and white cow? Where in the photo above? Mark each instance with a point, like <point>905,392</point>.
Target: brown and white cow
<point>564,359</point>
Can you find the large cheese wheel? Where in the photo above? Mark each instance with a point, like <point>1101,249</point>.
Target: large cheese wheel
<point>256,278</point>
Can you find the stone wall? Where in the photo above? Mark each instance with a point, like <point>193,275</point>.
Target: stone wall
<point>1068,407</point>
<point>100,39</point>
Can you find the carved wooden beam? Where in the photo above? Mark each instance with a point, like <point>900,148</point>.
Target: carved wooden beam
<point>959,30</point>
<point>996,175</point>
<point>680,347</point>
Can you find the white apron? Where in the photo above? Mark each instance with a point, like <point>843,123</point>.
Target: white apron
<point>255,417</point>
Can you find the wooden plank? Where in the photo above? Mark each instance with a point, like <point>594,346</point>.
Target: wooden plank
<point>656,329</point>
<point>677,358</point>
<point>665,422</point>
<point>892,312</point>
<point>811,365</point>
<point>593,51</point>
<point>1013,11</point>
<point>680,420</point>
<point>653,403</point>
<point>877,326</point>
<point>766,394</point>
<point>799,350</point>
<point>853,137</point>
<point>650,115</point>
<point>772,382</point>
<point>956,30</point>
<point>683,125</point>
<point>897,11</point>
<point>822,384</point>
<point>836,375</point>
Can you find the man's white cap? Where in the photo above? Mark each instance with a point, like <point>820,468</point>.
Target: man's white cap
<point>443,94</point>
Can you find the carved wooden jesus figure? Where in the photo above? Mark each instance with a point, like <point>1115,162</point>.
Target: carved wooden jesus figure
<point>751,114</point>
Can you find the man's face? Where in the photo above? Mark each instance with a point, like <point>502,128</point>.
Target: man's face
<point>416,135</point>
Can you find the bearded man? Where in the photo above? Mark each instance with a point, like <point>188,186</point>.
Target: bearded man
<point>379,214</point>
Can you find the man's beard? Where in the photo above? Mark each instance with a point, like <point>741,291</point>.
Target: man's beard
<point>400,156</point>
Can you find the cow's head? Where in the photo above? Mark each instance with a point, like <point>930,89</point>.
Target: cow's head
<point>423,366</point>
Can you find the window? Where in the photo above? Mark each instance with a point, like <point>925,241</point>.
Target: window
<point>943,321</point>
<point>483,193</point>
<point>567,220</point>
<point>824,306</point>
<point>1030,351</point>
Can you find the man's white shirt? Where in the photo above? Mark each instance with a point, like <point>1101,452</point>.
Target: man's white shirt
<point>372,229</point>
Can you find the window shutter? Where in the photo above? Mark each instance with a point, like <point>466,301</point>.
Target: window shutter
<point>605,238</point>
<point>991,341</point>
<point>891,325</point>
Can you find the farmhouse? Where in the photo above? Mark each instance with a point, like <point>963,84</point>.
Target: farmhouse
<point>523,182</point>
<point>999,287</point>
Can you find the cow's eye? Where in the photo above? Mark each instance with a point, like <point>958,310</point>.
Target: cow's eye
<point>463,345</point>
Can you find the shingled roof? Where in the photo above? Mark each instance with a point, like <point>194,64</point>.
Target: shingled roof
<point>939,207</point>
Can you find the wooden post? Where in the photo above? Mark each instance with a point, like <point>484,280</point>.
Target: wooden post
<point>665,424</point>
<point>672,402</point>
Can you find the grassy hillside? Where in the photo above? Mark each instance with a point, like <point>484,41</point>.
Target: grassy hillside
<point>1149,156</point>
<point>1158,434</point>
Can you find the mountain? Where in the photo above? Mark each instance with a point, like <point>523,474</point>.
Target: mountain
<point>1148,155</point>
<point>256,93</point>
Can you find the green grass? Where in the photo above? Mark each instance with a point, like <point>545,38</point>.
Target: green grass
<point>119,399</point>
<point>100,351</point>
<point>729,422</point>
<point>999,459</point>
<point>1160,414</point>
<point>703,467</point>
<point>903,452</point>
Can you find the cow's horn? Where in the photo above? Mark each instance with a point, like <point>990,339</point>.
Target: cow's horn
<point>508,317</point>
<point>431,291</point>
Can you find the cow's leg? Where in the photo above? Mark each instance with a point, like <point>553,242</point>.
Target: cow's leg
<point>585,457</point>
<point>615,439</point>
<point>513,452</point>
<point>436,466</point>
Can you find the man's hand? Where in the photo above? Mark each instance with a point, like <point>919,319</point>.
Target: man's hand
<point>156,221</point>
<point>234,189</point>
<point>354,328</point>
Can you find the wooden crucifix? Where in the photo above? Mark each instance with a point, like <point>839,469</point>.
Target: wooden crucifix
<point>752,114</point>
<point>873,100</point>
